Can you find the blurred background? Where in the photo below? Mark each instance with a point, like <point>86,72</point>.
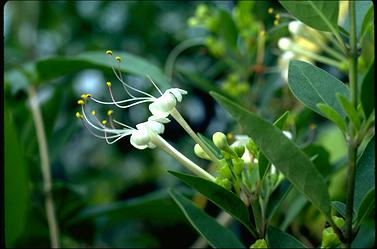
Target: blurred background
<point>115,195</point>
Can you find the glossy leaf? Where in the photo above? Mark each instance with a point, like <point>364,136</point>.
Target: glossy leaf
<point>365,172</point>
<point>223,198</point>
<point>367,206</point>
<point>321,15</point>
<point>312,85</point>
<point>367,92</point>
<point>216,235</point>
<point>210,145</point>
<point>263,163</point>
<point>349,109</point>
<point>50,68</point>
<point>277,197</point>
<point>17,192</point>
<point>283,153</point>
<point>280,239</point>
<point>331,114</point>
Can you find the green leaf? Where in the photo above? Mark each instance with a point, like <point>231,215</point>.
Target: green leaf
<point>367,21</point>
<point>312,85</point>
<point>367,91</point>
<point>17,192</point>
<point>362,9</point>
<point>139,207</point>
<point>280,239</point>
<point>50,68</point>
<point>367,206</point>
<point>263,163</point>
<point>341,209</point>
<point>216,235</point>
<point>365,172</point>
<point>335,117</point>
<point>283,153</point>
<point>321,15</point>
<point>321,160</point>
<point>210,145</point>
<point>295,206</point>
<point>350,110</point>
<point>228,30</point>
<point>218,195</point>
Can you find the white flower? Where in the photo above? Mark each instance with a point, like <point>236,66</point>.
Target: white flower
<point>285,43</point>
<point>163,105</point>
<point>295,27</point>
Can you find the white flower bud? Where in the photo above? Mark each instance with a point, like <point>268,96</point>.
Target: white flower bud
<point>219,139</point>
<point>198,150</point>
<point>295,27</point>
<point>284,43</point>
<point>288,134</point>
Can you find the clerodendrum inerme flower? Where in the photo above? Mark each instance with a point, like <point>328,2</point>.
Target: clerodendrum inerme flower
<point>146,134</point>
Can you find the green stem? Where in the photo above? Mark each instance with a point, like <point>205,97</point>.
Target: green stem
<point>169,65</point>
<point>298,50</point>
<point>177,116</point>
<point>45,167</point>
<point>352,144</point>
<point>190,165</point>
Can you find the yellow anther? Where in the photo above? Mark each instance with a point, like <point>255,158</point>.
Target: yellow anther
<point>80,102</point>
<point>270,10</point>
<point>86,96</point>
<point>276,22</point>
<point>78,115</point>
<point>277,17</point>
<point>229,136</point>
<point>109,52</point>
<point>104,122</point>
<point>118,59</point>
<point>93,112</point>
<point>108,83</point>
<point>109,112</point>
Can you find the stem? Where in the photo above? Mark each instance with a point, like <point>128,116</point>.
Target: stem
<point>169,65</point>
<point>190,165</point>
<point>316,57</point>
<point>45,167</point>
<point>352,144</point>
<point>177,116</point>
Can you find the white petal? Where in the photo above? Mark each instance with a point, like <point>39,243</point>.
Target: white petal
<point>140,139</point>
<point>288,134</point>
<point>155,109</point>
<point>177,93</point>
<point>159,119</point>
<point>155,126</point>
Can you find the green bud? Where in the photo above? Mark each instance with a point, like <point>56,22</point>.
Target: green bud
<point>192,21</point>
<point>198,150</point>
<point>339,222</point>
<point>201,10</point>
<point>212,23</point>
<point>252,147</point>
<point>344,66</point>
<point>225,172</point>
<point>260,243</point>
<point>329,238</point>
<point>239,150</point>
<point>223,182</point>
<point>219,139</point>
<point>238,166</point>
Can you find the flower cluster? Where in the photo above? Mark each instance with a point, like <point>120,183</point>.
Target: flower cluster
<point>141,136</point>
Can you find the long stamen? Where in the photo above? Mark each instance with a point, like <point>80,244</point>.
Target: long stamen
<point>127,106</point>
<point>154,84</point>
<point>95,127</point>
<point>94,134</point>
<point>131,87</point>
<point>120,123</point>
<point>121,101</point>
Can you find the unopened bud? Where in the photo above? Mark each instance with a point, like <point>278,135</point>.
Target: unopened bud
<point>260,243</point>
<point>284,43</point>
<point>219,139</point>
<point>339,222</point>
<point>239,150</point>
<point>198,150</point>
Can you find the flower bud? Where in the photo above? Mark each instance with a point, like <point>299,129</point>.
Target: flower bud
<point>285,43</point>
<point>219,139</point>
<point>260,243</point>
<point>339,222</point>
<point>239,150</point>
<point>225,172</point>
<point>238,166</point>
<point>295,27</point>
<point>198,150</point>
<point>225,183</point>
<point>329,238</point>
